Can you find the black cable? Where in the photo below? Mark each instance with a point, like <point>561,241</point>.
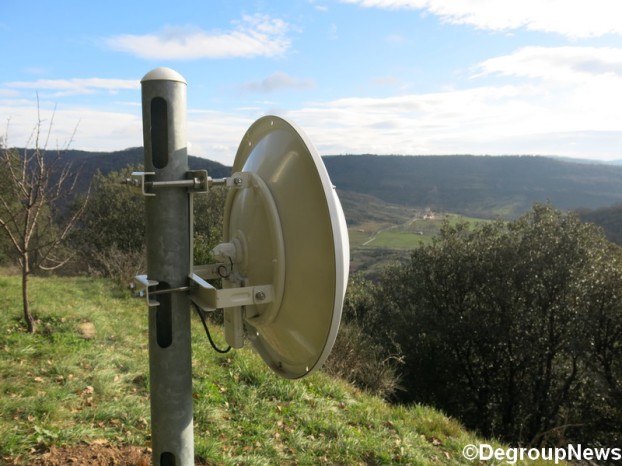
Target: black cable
<point>209,336</point>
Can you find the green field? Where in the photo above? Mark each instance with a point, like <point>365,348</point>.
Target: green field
<point>408,235</point>
<point>82,379</point>
<point>376,244</point>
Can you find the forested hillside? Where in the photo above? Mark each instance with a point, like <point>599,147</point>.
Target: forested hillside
<point>105,162</point>
<point>499,186</point>
<point>478,186</point>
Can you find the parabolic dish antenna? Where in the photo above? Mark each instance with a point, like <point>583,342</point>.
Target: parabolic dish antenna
<point>286,228</point>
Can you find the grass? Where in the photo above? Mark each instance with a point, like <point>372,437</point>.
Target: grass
<point>63,387</point>
<point>57,386</point>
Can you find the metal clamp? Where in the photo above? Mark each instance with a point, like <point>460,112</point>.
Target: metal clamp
<point>138,181</point>
<point>209,298</point>
<point>148,289</point>
<point>196,181</point>
<point>145,287</point>
<point>201,182</point>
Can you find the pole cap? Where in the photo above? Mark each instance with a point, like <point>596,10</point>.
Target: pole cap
<point>163,74</point>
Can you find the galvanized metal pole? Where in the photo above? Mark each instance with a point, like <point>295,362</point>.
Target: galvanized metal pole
<point>168,262</point>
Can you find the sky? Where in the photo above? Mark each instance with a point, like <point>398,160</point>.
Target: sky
<point>409,77</point>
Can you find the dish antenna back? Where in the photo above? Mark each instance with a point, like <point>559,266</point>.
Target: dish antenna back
<point>289,230</point>
<point>283,261</point>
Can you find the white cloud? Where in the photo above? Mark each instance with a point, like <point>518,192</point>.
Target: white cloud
<point>389,82</point>
<point>211,134</point>
<point>8,93</point>
<point>96,130</point>
<point>569,104</point>
<point>572,18</point>
<point>277,82</point>
<point>395,39</point>
<point>77,85</point>
<point>530,118</point>
<point>566,101</point>
<point>416,123</point>
<point>254,36</point>
<point>314,4</point>
<point>216,135</point>
<point>534,117</point>
<point>569,64</point>
<point>578,87</point>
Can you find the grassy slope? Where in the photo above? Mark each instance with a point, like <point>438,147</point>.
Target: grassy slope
<point>60,388</point>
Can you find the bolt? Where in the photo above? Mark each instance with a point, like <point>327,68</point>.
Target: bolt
<point>237,181</point>
<point>260,296</point>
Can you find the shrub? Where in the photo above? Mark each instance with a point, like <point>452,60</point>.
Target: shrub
<point>361,355</point>
<point>357,359</point>
<point>120,266</point>
<point>506,325</point>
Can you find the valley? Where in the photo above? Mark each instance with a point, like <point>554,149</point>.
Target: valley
<point>394,204</point>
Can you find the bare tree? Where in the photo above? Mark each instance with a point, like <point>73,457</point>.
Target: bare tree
<point>36,186</point>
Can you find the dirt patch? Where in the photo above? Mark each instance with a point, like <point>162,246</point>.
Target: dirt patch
<point>87,330</point>
<point>95,454</point>
<point>88,455</point>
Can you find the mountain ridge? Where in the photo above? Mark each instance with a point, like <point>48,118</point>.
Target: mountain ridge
<point>479,186</point>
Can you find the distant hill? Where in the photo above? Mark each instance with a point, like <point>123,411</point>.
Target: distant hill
<point>361,209</point>
<point>90,162</point>
<point>479,186</point>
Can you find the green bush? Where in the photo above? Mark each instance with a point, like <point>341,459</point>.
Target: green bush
<point>514,328</point>
<point>357,359</point>
<point>111,232</point>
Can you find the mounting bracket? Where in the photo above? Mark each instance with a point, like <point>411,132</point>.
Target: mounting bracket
<point>196,181</point>
<point>209,298</point>
<point>204,295</point>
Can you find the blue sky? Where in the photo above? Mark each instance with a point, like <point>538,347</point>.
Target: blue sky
<point>359,76</point>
